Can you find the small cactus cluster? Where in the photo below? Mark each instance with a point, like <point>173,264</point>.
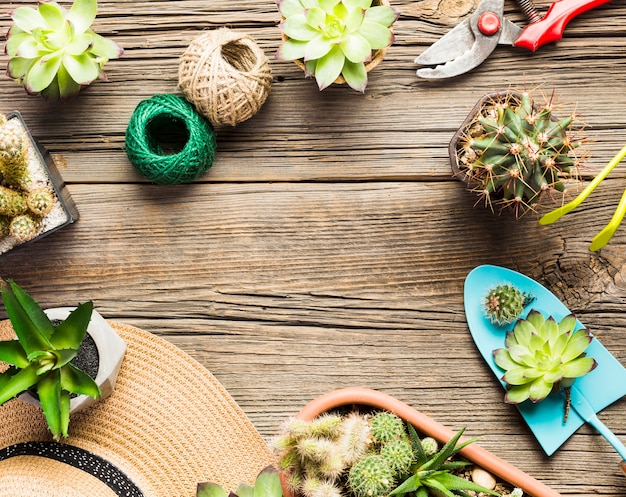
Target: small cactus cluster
<point>514,153</point>
<point>355,454</point>
<point>504,303</point>
<point>23,203</point>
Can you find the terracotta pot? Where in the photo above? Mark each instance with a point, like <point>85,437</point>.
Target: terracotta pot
<point>111,349</point>
<point>377,55</point>
<point>427,426</point>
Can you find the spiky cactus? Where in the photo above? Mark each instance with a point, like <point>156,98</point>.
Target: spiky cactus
<point>40,201</point>
<point>514,153</point>
<point>12,203</point>
<point>386,426</point>
<point>371,477</point>
<point>13,155</point>
<point>24,227</point>
<point>504,303</point>
<point>542,354</point>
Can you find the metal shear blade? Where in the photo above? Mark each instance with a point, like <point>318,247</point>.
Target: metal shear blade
<point>467,46</point>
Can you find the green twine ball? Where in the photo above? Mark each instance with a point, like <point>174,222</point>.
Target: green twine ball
<point>168,141</point>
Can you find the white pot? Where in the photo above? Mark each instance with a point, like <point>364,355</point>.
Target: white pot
<point>111,350</point>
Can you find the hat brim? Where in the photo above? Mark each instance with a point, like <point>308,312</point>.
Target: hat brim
<point>168,425</point>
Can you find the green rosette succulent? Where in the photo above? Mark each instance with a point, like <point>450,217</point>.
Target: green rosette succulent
<point>335,37</point>
<point>542,354</point>
<point>54,52</point>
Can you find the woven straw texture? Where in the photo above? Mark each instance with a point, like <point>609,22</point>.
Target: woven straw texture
<point>168,425</point>
<point>225,75</point>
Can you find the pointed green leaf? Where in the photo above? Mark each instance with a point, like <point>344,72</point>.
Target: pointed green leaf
<point>518,394</point>
<point>244,490</point>
<point>267,484</point>
<point>356,48</point>
<point>503,359</point>
<point>51,92</point>
<point>29,49</point>
<point>296,27</point>
<point>411,484</point>
<point>416,446</point>
<point>18,383</point>
<point>104,48</point>
<point>520,376</point>
<point>560,345</point>
<point>65,86</point>
<point>79,44</point>
<point>524,331</point>
<point>12,352</point>
<point>568,323</point>
<point>555,375</point>
<point>539,390</point>
<point>329,67</point>
<point>317,48</point>
<point>550,330</point>
<point>52,15</point>
<point>377,35</point>
<point>521,355</point>
<point>454,482</point>
<point>82,14</point>
<point>43,73</point>
<point>210,490</point>
<point>441,489</point>
<point>18,67</point>
<point>15,38</point>
<point>30,323</point>
<point>77,381</point>
<point>49,391</point>
<point>355,75</point>
<point>576,345</point>
<point>27,19</point>
<point>536,319</point>
<point>288,8</point>
<point>354,20</point>
<point>381,14</point>
<point>70,333</point>
<point>82,68</point>
<point>328,5</point>
<point>579,367</point>
<point>315,18</point>
<point>445,452</point>
<point>291,50</point>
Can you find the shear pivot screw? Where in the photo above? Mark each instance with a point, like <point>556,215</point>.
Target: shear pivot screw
<point>489,23</point>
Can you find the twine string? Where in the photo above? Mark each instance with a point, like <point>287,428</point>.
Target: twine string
<point>168,141</point>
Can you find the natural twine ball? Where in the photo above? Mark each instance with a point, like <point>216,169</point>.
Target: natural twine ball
<point>225,75</point>
<point>168,141</point>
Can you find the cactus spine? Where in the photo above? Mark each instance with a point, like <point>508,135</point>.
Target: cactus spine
<point>514,153</point>
<point>504,303</point>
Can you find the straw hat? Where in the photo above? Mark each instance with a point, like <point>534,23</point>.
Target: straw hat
<point>168,425</point>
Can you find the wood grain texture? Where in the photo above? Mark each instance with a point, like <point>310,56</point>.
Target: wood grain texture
<point>328,244</point>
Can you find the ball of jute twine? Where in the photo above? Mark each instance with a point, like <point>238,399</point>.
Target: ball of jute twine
<point>225,75</point>
<point>168,141</point>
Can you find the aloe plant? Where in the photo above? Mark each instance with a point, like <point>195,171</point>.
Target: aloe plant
<point>54,52</point>
<point>40,357</point>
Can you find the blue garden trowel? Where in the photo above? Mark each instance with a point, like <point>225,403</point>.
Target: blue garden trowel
<point>589,394</point>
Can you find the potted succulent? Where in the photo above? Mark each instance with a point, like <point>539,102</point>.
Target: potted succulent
<point>44,362</point>
<point>336,41</point>
<point>33,199</point>
<point>514,153</point>
<point>54,52</point>
<point>430,468</point>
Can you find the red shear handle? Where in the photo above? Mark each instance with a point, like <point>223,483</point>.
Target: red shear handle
<point>551,27</point>
<point>623,466</point>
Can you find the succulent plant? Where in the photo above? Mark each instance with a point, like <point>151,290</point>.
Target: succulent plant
<point>433,474</point>
<point>514,153</point>
<point>54,52</point>
<point>335,37</point>
<point>504,303</point>
<point>24,227</point>
<point>12,203</point>
<point>40,201</point>
<point>542,354</point>
<point>40,357</point>
<point>267,484</point>
<point>371,477</point>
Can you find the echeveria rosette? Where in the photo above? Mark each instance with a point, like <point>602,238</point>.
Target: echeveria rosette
<point>54,52</point>
<point>542,354</point>
<point>335,37</point>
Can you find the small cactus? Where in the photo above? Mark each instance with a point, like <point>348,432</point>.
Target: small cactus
<point>371,477</point>
<point>24,228</point>
<point>40,201</point>
<point>386,426</point>
<point>398,454</point>
<point>4,225</point>
<point>355,439</point>
<point>504,303</point>
<point>514,153</point>
<point>12,203</point>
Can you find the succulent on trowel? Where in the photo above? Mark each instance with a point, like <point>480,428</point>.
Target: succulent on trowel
<point>514,153</point>
<point>40,357</point>
<point>54,52</point>
<point>504,303</point>
<point>267,484</point>
<point>541,355</point>
<point>335,37</point>
<point>434,472</point>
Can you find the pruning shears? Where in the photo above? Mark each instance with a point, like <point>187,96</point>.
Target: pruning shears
<point>470,43</point>
<point>605,235</point>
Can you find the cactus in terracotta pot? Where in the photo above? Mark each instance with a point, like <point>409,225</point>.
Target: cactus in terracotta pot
<point>514,153</point>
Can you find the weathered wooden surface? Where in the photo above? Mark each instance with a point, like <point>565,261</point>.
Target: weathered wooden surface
<point>328,245</point>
